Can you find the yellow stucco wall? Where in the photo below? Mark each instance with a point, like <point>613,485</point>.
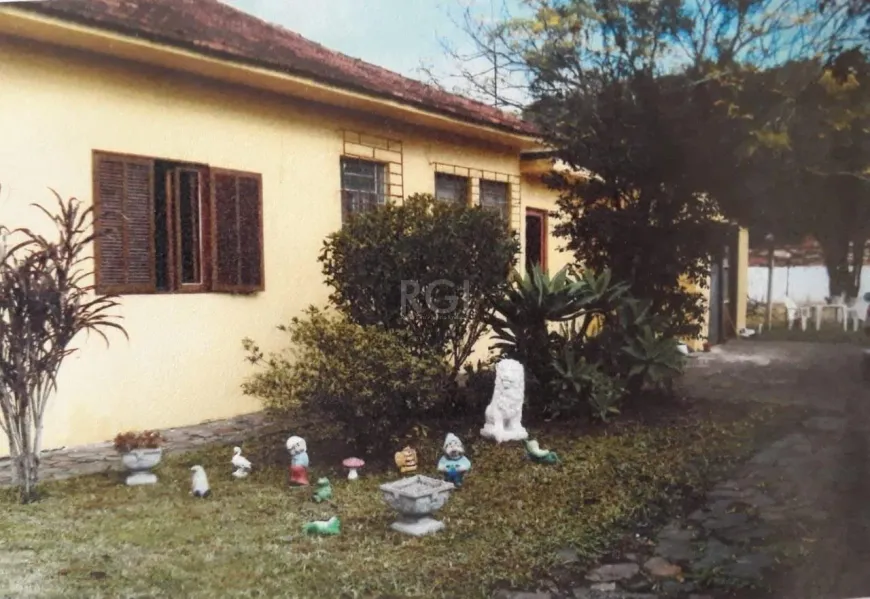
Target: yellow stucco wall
<point>184,362</point>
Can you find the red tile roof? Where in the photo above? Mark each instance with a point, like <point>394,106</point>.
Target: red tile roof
<point>213,28</point>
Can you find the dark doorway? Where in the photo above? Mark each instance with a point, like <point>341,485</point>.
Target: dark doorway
<point>723,292</point>
<point>536,239</point>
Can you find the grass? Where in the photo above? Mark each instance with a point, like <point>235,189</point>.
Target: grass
<point>95,537</point>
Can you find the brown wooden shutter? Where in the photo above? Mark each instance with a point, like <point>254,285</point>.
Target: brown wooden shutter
<point>237,232</point>
<point>124,220</point>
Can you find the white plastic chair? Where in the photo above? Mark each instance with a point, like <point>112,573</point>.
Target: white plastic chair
<point>794,312</point>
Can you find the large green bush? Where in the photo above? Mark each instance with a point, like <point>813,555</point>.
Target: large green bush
<point>460,256</point>
<point>363,378</point>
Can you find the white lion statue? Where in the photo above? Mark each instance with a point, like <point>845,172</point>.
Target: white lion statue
<point>505,412</point>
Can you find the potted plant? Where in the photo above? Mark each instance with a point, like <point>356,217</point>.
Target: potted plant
<point>140,452</point>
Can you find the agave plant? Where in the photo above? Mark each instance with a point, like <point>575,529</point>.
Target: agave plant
<point>656,359</point>
<point>580,381</point>
<point>522,317</point>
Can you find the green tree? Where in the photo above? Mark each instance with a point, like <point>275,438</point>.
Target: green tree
<point>806,171</point>
<point>645,96</point>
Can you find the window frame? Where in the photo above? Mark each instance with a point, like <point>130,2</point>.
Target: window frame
<point>542,215</point>
<point>506,210</point>
<point>466,200</point>
<point>208,218</point>
<point>173,225</point>
<point>380,178</point>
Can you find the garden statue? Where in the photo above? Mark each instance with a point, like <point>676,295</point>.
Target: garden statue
<point>406,460</point>
<point>298,461</point>
<point>199,483</point>
<point>541,456</point>
<point>323,527</point>
<point>453,464</point>
<point>353,464</point>
<point>504,413</point>
<point>241,464</point>
<point>324,490</point>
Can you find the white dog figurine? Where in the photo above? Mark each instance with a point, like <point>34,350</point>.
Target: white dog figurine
<point>199,483</point>
<point>505,412</point>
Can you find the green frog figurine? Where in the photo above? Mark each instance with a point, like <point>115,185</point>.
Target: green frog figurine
<point>329,527</point>
<point>324,490</point>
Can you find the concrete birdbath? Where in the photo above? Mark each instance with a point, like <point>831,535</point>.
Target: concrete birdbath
<point>416,498</point>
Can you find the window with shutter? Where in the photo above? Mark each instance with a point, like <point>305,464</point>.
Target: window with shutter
<point>124,220</point>
<point>167,226</point>
<point>237,232</point>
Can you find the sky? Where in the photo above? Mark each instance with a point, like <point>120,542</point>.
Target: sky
<point>400,35</point>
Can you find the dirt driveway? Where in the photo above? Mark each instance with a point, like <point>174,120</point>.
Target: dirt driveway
<point>834,475</point>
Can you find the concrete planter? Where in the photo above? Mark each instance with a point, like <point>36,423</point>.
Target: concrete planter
<point>416,498</point>
<point>140,462</point>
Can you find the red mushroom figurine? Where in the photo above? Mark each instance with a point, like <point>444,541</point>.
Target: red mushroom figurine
<point>353,464</point>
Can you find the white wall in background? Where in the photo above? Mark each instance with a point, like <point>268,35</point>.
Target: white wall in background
<point>804,283</point>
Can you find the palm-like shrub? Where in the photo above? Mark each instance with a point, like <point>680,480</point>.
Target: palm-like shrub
<point>46,300</point>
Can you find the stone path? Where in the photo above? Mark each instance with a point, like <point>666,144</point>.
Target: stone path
<point>795,519</point>
<point>102,457</point>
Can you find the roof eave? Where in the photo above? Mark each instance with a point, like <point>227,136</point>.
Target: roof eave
<point>28,23</point>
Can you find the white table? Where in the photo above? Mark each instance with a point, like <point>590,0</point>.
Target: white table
<point>841,311</point>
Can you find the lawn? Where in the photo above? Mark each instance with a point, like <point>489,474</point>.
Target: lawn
<point>95,537</point>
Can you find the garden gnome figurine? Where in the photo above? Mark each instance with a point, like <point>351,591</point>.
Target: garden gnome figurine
<point>504,413</point>
<point>453,464</point>
<point>298,461</point>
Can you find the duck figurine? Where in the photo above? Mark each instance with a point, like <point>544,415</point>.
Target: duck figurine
<point>540,456</point>
<point>241,464</point>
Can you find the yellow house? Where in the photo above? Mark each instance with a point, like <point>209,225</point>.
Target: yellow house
<point>219,151</point>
